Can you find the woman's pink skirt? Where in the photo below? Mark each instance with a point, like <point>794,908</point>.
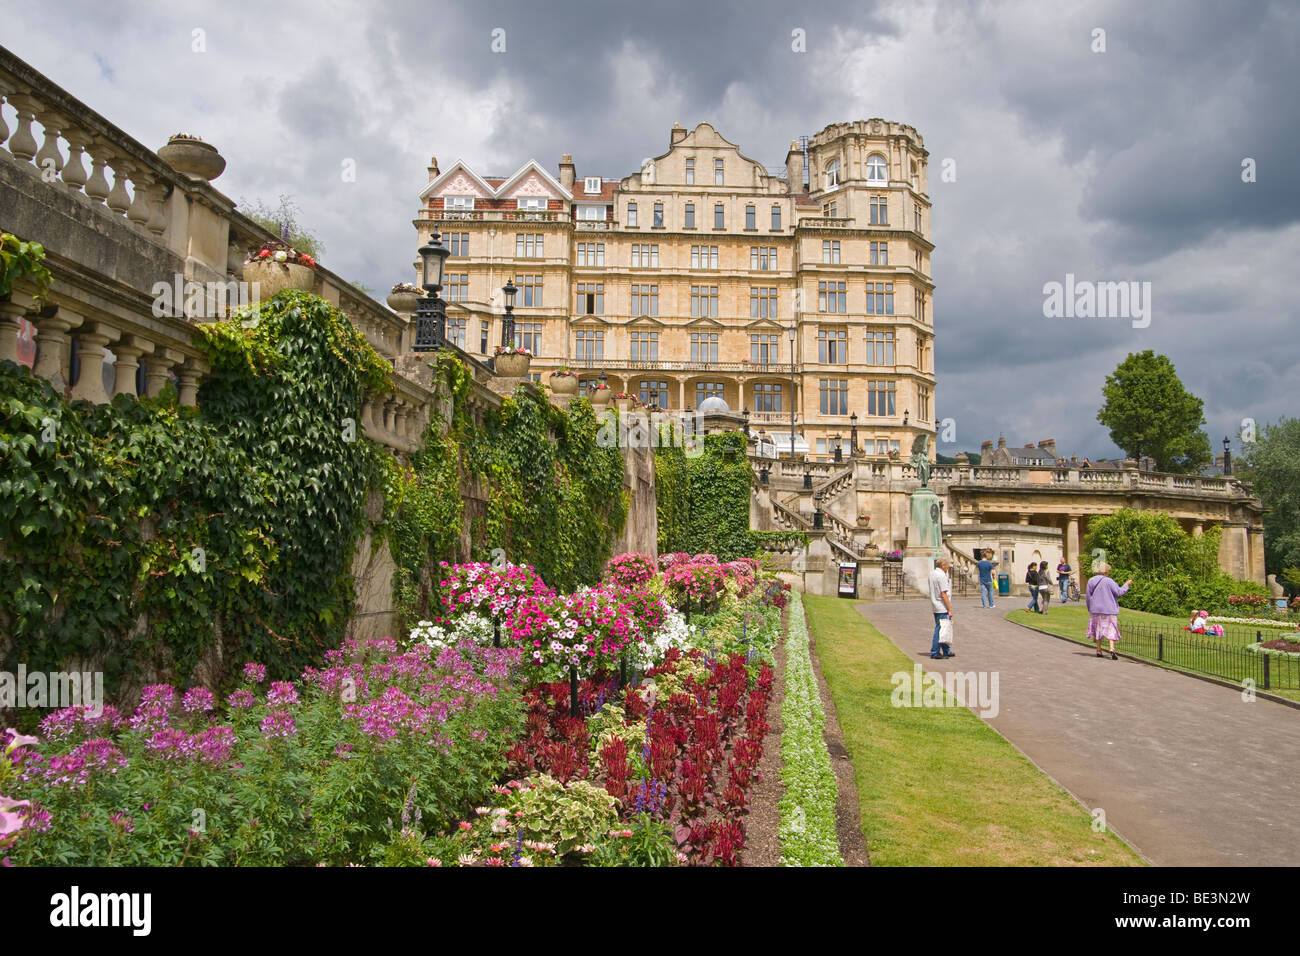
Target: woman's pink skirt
<point>1103,627</point>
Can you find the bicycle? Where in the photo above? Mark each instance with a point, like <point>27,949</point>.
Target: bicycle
<point>1072,590</point>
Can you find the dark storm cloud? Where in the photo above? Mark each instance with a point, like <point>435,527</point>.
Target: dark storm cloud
<point>1123,165</point>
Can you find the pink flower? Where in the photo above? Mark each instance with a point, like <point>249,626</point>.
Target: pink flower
<point>254,673</point>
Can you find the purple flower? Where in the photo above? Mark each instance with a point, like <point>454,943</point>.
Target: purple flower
<point>214,745</point>
<point>282,692</point>
<point>278,723</point>
<point>254,673</point>
<point>162,695</point>
<point>241,699</point>
<point>197,700</point>
<point>169,743</point>
<point>122,822</point>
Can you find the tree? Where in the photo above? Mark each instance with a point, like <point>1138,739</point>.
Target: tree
<point>283,221</point>
<point>1273,464</point>
<point>1150,413</point>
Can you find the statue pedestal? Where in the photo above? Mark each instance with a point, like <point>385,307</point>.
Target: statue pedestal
<point>924,538</point>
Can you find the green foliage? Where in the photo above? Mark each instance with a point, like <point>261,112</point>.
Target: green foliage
<point>281,219</point>
<point>554,495</point>
<point>1173,572</point>
<point>1149,413</point>
<point>21,260</point>
<point>1273,464</point>
<point>704,499</point>
<point>648,842</point>
<point>326,792</point>
<point>145,536</point>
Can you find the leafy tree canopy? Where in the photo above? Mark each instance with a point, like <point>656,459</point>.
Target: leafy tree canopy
<point>1150,413</point>
<point>1273,464</point>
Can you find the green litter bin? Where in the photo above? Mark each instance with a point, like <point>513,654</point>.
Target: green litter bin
<point>1004,585</point>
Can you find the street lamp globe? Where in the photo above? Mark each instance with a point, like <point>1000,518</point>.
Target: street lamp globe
<point>433,257</point>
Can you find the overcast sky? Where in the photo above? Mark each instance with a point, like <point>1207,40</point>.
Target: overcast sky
<point>1122,165</point>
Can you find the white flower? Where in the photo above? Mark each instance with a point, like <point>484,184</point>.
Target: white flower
<point>281,256</point>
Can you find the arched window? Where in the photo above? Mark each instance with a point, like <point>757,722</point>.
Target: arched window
<point>877,169</point>
<point>832,174</point>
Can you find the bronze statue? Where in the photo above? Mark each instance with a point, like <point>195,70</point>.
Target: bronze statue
<point>921,458</point>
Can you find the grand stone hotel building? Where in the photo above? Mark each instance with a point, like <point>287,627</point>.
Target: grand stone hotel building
<point>684,281</point>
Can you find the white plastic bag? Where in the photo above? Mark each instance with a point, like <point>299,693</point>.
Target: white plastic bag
<point>945,631</point>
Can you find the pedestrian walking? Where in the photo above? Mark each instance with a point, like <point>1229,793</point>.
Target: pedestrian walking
<point>1103,607</point>
<point>985,565</point>
<point>1031,582</point>
<point>1044,587</point>
<point>941,605</point>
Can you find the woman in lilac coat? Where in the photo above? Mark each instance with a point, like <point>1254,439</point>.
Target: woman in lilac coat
<point>1103,607</point>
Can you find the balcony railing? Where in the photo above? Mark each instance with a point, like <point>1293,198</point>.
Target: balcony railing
<point>827,222</point>
<point>644,366</point>
<point>589,225</point>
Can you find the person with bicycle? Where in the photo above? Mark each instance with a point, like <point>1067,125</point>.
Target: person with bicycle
<point>1063,578</point>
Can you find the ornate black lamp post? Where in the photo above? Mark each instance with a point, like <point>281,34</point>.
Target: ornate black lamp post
<point>853,435</point>
<point>431,312</point>
<point>1227,457</point>
<point>745,412</point>
<point>818,520</point>
<point>839,453</point>
<point>791,332</point>
<point>508,323</point>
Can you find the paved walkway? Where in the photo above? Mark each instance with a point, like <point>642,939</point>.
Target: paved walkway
<point>1187,772</point>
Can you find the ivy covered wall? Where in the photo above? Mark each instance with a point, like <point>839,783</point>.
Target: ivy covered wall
<point>155,541</point>
<point>553,495</point>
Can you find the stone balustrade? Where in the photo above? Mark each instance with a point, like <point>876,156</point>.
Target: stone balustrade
<point>72,135</point>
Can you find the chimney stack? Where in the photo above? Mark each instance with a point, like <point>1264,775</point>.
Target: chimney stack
<point>1049,446</point>
<point>794,167</point>
<point>1002,442</point>
<point>567,171</point>
<point>677,135</point>
<point>433,168</point>
<point>986,447</point>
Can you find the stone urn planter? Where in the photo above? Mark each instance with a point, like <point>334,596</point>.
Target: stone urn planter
<point>564,384</point>
<point>599,396</point>
<point>272,277</point>
<point>623,404</point>
<point>403,301</point>
<point>864,521</point>
<point>192,157</point>
<point>512,365</point>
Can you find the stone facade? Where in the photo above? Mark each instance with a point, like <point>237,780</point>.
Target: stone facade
<point>684,280</point>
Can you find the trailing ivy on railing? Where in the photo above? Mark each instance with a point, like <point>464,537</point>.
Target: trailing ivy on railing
<point>143,538</point>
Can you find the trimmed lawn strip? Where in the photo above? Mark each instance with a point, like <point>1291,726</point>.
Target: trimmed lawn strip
<point>808,807</point>
<point>939,787</point>
<point>1072,622</point>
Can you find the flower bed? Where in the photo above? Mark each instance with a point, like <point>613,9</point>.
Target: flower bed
<point>808,807</point>
<point>446,751</point>
<point>307,772</point>
<point>673,760</point>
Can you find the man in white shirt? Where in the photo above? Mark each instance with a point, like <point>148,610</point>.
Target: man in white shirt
<point>940,604</point>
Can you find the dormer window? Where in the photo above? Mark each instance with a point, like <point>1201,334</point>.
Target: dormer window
<point>591,185</point>
<point>533,203</point>
<point>458,202</point>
